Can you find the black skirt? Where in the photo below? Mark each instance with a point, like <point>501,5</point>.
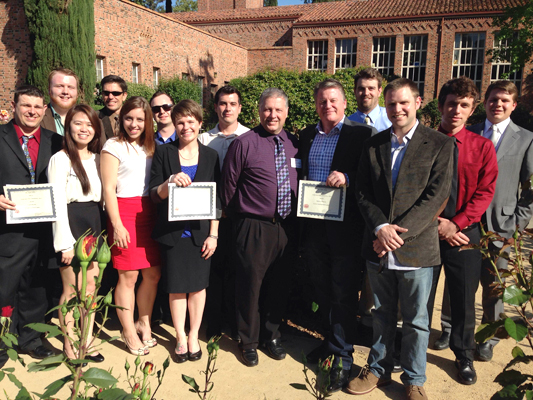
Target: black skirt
<point>184,269</point>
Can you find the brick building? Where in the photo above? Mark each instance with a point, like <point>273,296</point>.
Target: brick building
<point>428,41</point>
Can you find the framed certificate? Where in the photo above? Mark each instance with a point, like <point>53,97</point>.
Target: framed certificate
<point>34,203</point>
<point>316,200</point>
<point>196,201</point>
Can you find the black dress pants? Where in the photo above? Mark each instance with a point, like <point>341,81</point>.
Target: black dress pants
<point>264,255</point>
<point>462,270</point>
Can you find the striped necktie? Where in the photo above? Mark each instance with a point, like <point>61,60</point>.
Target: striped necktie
<point>367,120</point>
<point>282,175</point>
<point>27,154</point>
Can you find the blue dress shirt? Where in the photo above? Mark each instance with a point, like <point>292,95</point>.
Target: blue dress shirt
<point>378,118</point>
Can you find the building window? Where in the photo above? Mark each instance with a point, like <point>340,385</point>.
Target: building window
<point>414,60</point>
<point>345,53</point>
<point>383,50</point>
<point>135,73</point>
<point>469,56</point>
<point>99,68</point>
<point>317,55</point>
<point>214,90</point>
<point>185,76</point>
<point>500,69</point>
<point>201,86</point>
<point>157,75</point>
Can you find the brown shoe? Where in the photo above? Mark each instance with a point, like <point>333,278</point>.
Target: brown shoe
<point>366,382</point>
<point>416,393</point>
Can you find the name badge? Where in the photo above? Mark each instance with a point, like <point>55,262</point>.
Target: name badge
<point>296,163</point>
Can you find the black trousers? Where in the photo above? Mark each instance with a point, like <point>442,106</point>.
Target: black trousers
<point>220,303</point>
<point>22,287</point>
<point>332,252</point>
<point>462,270</point>
<point>264,254</point>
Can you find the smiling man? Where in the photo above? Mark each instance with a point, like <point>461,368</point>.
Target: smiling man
<point>259,184</point>
<point>161,104</point>
<point>473,185</point>
<point>63,92</point>
<point>403,182</point>
<point>24,155</point>
<point>330,152</point>
<point>367,89</point>
<point>506,212</point>
<point>114,93</point>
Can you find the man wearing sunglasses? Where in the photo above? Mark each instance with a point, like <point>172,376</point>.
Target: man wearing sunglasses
<point>162,104</point>
<point>114,94</point>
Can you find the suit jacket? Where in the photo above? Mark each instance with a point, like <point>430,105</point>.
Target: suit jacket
<point>14,170</point>
<point>345,159</point>
<point>48,121</point>
<point>422,190</point>
<point>165,163</point>
<point>515,166</point>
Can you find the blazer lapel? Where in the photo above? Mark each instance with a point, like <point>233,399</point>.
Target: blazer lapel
<point>384,150</point>
<point>202,170</point>
<point>45,152</point>
<point>305,150</point>
<point>509,138</point>
<point>10,137</point>
<point>173,158</point>
<point>341,147</point>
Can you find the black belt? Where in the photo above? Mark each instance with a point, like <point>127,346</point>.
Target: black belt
<point>274,219</point>
<point>470,227</point>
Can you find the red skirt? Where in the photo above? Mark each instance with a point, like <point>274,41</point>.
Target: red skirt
<point>138,215</point>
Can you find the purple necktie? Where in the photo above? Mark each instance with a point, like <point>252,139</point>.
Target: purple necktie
<point>284,184</point>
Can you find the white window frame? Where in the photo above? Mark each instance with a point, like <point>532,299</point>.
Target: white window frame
<point>99,64</point>
<point>383,54</point>
<point>135,73</point>
<point>317,55</point>
<point>501,67</point>
<point>345,53</point>
<point>469,58</point>
<point>414,59</point>
<point>157,76</point>
<point>200,82</point>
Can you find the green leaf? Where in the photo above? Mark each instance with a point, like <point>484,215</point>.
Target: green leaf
<point>2,374</point>
<point>46,364</point>
<point>11,369</point>
<point>516,330</point>
<point>166,363</point>
<point>487,331</point>
<point>515,296</point>
<point>55,387</point>
<point>13,355</point>
<point>15,381</point>
<point>299,386</point>
<point>13,338</point>
<point>510,377</point>
<point>509,392</point>
<point>51,330</point>
<point>314,306</point>
<point>115,394</point>
<point>190,381</point>
<point>99,377</point>
<point>23,394</point>
<point>517,352</point>
<point>7,341</point>
<point>529,395</point>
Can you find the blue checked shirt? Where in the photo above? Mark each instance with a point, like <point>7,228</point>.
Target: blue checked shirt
<point>321,153</point>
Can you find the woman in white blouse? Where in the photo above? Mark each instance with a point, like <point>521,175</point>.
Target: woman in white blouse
<point>126,162</point>
<point>75,170</point>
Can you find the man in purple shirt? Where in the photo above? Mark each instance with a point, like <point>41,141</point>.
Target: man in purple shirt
<point>259,183</point>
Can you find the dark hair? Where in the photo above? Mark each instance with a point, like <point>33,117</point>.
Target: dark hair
<point>461,87</point>
<point>64,71</point>
<point>504,85</point>
<point>69,145</point>
<point>329,83</point>
<point>161,93</point>
<point>400,83</point>
<point>28,90</point>
<point>227,90</point>
<point>185,108</point>
<point>114,79</point>
<point>147,137</point>
<point>368,73</point>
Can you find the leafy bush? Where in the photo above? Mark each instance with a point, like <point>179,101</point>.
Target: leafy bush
<point>180,89</point>
<point>429,115</point>
<point>140,89</point>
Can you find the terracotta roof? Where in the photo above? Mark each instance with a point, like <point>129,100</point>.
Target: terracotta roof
<point>350,10</point>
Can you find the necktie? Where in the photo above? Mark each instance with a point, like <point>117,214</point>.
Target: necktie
<point>367,120</point>
<point>495,137</point>
<point>116,126</point>
<point>282,175</point>
<point>449,210</point>
<point>27,154</point>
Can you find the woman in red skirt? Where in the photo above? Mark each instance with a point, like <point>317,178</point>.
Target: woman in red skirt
<point>125,167</point>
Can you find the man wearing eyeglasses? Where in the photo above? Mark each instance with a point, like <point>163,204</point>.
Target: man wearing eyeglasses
<point>114,93</point>
<point>162,104</point>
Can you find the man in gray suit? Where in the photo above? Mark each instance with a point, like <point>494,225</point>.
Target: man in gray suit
<point>514,151</point>
<point>403,183</point>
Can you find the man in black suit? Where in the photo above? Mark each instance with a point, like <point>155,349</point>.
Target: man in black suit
<point>24,154</point>
<point>403,183</point>
<point>330,152</point>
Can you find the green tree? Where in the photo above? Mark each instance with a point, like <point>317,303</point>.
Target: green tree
<point>270,3</point>
<point>151,4</point>
<point>62,35</point>
<point>319,1</point>
<point>185,5</point>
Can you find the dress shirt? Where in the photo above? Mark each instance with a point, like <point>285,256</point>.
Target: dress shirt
<point>378,118</point>
<point>249,182</point>
<point>502,126</point>
<point>477,171</point>
<point>397,153</point>
<point>60,128</point>
<point>160,140</point>
<point>220,142</point>
<point>112,128</point>
<point>322,151</point>
<point>33,145</point>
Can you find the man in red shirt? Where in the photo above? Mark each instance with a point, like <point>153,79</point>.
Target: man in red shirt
<point>473,185</point>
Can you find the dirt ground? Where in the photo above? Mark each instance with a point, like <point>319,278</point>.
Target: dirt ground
<point>271,379</point>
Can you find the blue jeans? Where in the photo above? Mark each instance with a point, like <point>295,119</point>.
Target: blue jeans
<point>412,289</point>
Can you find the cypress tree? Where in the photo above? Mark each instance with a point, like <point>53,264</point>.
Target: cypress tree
<point>62,35</point>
